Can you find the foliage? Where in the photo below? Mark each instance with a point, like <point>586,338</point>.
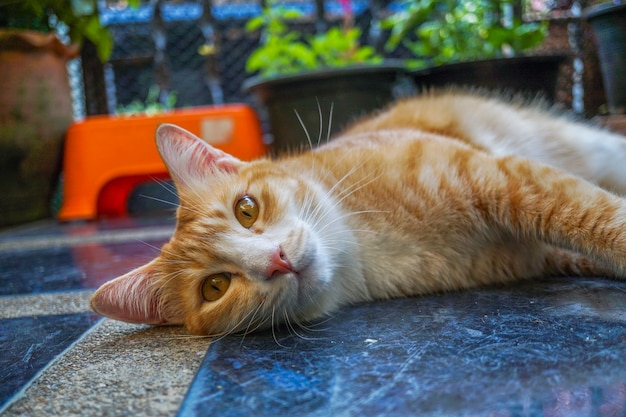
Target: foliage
<point>284,51</point>
<point>439,32</point>
<point>80,17</point>
<point>151,106</point>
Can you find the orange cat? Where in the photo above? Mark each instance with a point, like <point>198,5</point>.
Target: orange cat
<point>438,193</point>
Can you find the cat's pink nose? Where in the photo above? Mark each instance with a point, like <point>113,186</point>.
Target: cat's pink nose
<point>279,264</point>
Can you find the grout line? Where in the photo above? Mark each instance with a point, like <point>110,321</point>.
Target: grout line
<point>101,237</point>
<point>116,369</point>
<point>19,394</point>
<point>46,304</point>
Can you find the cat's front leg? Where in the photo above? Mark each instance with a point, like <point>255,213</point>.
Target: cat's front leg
<point>536,201</point>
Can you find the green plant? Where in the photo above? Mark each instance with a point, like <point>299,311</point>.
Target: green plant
<point>80,17</point>
<point>151,106</point>
<point>284,51</point>
<point>439,32</point>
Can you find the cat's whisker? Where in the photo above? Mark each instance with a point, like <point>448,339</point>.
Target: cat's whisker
<point>345,177</point>
<point>166,185</point>
<point>346,192</point>
<point>319,109</point>
<point>187,337</point>
<point>160,200</point>
<point>274,328</point>
<point>345,216</point>
<point>156,248</point>
<point>174,257</point>
<point>325,176</point>
<point>329,192</point>
<point>292,328</point>
<point>336,249</point>
<point>261,324</point>
<point>164,251</point>
<point>288,325</point>
<point>306,206</point>
<point>306,132</point>
<point>352,170</point>
<point>315,326</point>
<point>330,121</point>
<point>311,203</point>
<point>234,328</point>
<point>173,275</point>
<point>176,205</point>
<point>341,233</point>
<point>183,179</point>
<point>334,219</point>
<point>356,187</point>
<point>193,208</point>
<point>248,327</point>
<point>216,337</point>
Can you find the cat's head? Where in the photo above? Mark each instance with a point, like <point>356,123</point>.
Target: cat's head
<point>249,249</point>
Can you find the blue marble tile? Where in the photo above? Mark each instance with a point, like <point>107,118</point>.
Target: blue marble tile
<point>38,271</point>
<point>51,228</point>
<point>83,266</point>
<point>28,344</point>
<point>548,348</point>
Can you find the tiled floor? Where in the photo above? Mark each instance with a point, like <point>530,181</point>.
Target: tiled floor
<point>546,348</point>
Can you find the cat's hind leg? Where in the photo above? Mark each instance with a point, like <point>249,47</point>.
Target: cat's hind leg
<point>592,153</point>
<point>595,154</point>
<point>511,260</point>
<point>564,262</point>
<point>537,202</point>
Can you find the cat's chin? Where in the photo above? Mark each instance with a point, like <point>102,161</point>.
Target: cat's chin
<point>314,296</point>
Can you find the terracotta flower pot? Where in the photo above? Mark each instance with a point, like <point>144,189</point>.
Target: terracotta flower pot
<point>35,112</point>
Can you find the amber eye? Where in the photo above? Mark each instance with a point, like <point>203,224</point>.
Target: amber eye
<point>246,211</point>
<point>215,286</point>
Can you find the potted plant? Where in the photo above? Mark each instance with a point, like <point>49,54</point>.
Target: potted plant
<point>478,43</point>
<point>314,85</point>
<point>79,17</point>
<point>35,100</point>
<point>608,21</point>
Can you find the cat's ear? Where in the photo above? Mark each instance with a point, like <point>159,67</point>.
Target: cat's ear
<point>189,158</point>
<point>132,298</point>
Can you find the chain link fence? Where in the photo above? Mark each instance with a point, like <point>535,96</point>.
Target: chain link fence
<point>195,50</point>
<point>198,49</point>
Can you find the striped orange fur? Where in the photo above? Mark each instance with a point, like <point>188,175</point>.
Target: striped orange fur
<point>441,192</point>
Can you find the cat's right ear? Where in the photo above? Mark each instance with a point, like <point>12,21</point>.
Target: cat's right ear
<point>133,298</point>
<point>189,158</point>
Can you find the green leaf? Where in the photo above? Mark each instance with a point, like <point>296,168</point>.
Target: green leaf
<point>255,23</point>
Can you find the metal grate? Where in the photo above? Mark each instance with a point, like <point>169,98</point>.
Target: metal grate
<point>161,43</point>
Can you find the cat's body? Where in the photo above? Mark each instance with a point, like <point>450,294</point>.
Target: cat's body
<point>435,194</point>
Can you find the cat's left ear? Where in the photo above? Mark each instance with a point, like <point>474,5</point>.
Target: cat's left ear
<point>133,298</point>
<point>189,158</point>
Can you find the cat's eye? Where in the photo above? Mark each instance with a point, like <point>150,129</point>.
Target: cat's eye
<point>215,286</point>
<point>246,211</point>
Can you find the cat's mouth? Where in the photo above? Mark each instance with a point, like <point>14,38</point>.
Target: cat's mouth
<point>307,280</point>
<point>304,267</point>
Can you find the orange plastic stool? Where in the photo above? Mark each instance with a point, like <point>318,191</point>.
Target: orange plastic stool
<point>103,151</point>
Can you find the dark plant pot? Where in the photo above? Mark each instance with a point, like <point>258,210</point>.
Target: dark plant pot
<point>609,28</point>
<point>326,99</point>
<point>525,74</point>
<point>35,112</point>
